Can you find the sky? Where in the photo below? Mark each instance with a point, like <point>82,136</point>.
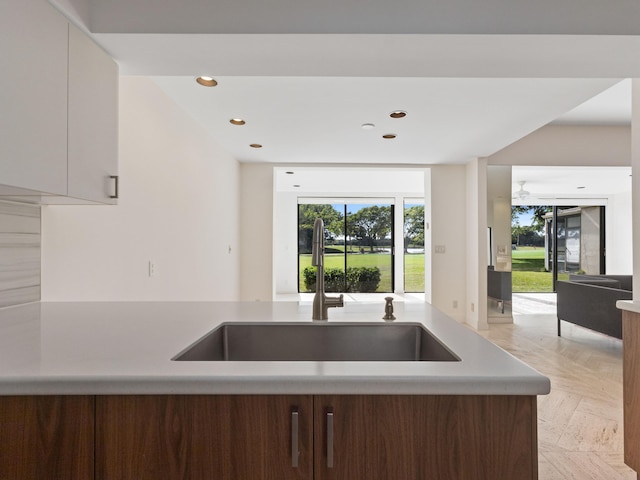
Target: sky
<point>525,219</point>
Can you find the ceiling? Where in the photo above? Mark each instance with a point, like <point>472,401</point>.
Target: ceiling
<point>319,119</point>
<point>611,107</point>
<point>305,76</point>
<point>346,181</point>
<point>569,185</point>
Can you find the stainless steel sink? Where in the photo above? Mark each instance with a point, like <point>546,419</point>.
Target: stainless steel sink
<point>279,341</point>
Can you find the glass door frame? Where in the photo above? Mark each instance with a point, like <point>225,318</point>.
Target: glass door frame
<point>344,202</point>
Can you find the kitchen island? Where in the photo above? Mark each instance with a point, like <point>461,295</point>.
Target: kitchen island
<point>100,377</point>
<point>631,381</point>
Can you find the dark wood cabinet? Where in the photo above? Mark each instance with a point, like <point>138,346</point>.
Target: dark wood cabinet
<point>631,388</point>
<point>204,437</point>
<point>271,437</point>
<point>46,437</point>
<point>425,437</point>
<point>337,437</point>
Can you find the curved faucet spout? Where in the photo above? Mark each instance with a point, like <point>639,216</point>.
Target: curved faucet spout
<point>317,245</point>
<point>321,303</point>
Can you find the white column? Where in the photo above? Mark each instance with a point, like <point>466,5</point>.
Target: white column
<point>499,219</point>
<point>428,216</point>
<point>635,183</point>
<point>476,243</point>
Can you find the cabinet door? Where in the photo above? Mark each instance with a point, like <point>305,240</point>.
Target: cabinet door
<point>203,437</point>
<point>93,120</point>
<point>46,438</point>
<point>425,437</point>
<point>631,388</point>
<point>33,97</point>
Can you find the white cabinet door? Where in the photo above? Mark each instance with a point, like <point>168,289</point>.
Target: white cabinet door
<point>93,120</point>
<point>33,96</point>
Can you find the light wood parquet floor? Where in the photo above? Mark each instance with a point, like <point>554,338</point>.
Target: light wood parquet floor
<point>580,422</point>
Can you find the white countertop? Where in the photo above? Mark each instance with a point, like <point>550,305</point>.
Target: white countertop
<point>629,305</point>
<point>126,348</point>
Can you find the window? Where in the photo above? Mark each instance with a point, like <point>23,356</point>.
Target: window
<point>359,245</point>
<point>413,245</point>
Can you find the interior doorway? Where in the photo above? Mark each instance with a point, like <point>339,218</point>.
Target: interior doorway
<point>575,246</point>
<point>530,272</point>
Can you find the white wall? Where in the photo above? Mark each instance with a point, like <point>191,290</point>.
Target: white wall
<point>178,208</point>
<point>635,187</point>
<point>285,236</point>
<point>256,225</point>
<point>569,145</point>
<point>476,243</point>
<point>499,210</point>
<point>448,224</point>
<point>619,235</point>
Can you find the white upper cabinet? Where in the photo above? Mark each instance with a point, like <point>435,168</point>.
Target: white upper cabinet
<point>58,109</point>
<point>93,120</point>
<point>33,96</point>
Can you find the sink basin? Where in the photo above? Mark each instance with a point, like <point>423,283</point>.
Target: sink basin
<point>279,341</point>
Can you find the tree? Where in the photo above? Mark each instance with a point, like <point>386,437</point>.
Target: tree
<point>528,234</point>
<point>370,224</point>
<point>307,214</point>
<point>413,226</point>
<point>537,213</point>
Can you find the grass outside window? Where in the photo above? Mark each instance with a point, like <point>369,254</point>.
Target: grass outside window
<point>528,271</point>
<point>414,267</point>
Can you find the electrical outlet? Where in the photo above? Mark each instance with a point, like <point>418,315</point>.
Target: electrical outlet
<point>152,268</point>
<point>473,307</point>
<point>455,304</point>
<point>440,249</point>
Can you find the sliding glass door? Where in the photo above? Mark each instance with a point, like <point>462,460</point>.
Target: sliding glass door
<point>413,229</point>
<point>369,255</point>
<point>358,246</point>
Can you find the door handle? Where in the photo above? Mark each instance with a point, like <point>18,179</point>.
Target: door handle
<point>330,439</point>
<point>295,453</point>
<point>116,182</point>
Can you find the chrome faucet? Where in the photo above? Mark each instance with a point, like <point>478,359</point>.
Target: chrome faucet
<point>321,303</point>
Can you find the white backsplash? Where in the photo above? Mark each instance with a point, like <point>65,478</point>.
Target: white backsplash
<point>19,253</point>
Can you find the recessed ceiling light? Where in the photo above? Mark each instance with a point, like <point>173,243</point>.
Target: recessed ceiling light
<point>296,186</point>
<point>398,114</point>
<point>579,188</point>
<point>289,173</point>
<point>389,135</point>
<point>255,145</point>
<point>237,121</point>
<point>206,81</point>
<point>367,126</point>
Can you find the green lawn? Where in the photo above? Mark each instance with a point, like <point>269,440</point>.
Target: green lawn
<point>414,267</point>
<point>528,273</point>
<point>414,272</point>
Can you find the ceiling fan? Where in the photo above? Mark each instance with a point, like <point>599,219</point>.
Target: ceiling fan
<point>522,193</point>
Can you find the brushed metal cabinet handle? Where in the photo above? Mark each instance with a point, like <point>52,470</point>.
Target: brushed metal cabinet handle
<point>116,185</point>
<point>295,453</point>
<point>329,439</point>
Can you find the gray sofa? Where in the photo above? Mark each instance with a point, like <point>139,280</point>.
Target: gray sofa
<point>590,301</point>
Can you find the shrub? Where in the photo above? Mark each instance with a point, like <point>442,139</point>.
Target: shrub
<point>363,279</point>
<point>359,279</point>
<point>333,279</point>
